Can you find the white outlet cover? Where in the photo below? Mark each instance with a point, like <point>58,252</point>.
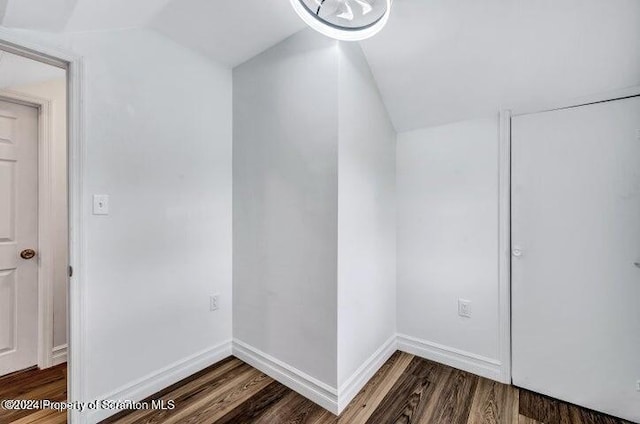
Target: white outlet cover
<point>214,302</point>
<point>101,204</point>
<point>464,308</point>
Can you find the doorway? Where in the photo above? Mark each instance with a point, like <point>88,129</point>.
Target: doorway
<point>34,234</point>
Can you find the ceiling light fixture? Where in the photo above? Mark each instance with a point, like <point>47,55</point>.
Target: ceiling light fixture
<point>348,20</point>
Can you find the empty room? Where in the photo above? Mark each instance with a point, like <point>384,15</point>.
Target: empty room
<point>320,211</point>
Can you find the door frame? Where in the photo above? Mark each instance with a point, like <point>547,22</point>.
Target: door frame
<point>23,45</point>
<point>45,217</point>
<point>504,231</point>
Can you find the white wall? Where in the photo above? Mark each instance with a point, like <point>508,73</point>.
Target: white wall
<point>18,71</point>
<point>285,185</point>
<point>56,92</point>
<point>158,141</point>
<point>366,216</point>
<point>447,181</point>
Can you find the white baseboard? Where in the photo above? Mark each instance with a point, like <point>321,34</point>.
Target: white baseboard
<point>456,358</point>
<point>328,397</point>
<point>161,379</point>
<point>309,387</point>
<point>350,388</point>
<point>59,355</point>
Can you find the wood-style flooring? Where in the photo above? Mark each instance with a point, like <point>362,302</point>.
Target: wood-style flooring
<point>50,384</point>
<point>405,390</point>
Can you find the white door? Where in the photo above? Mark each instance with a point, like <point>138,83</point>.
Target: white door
<point>18,232</point>
<point>576,255</point>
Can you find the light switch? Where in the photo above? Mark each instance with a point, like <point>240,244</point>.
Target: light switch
<point>101,204</point>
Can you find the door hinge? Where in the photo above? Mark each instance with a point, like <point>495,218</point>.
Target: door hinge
<point>70,271</point>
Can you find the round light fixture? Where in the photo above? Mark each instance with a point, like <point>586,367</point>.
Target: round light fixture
<point>348,20</point>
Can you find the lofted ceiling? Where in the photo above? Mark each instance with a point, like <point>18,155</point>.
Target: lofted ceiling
<point>440,61</point>
<point>437,61</point>
<point>230,31</point>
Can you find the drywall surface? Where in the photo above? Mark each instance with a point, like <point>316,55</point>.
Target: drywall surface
<point>158,142</point>
<point>447,181</point>
<point>285,198</point>
<point>366,216</point>
<point>56,92</point>
<point>442,61</point>
<point>18,71</point>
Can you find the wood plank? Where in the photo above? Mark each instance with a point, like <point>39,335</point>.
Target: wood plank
<point>40,416</point>
<point>182,392</point>
<point>20,384</point>
<point>365,402</point>
<point>294,408</point>
<point>217,403</point>
<point>325,417</point>
<point>256,405</point>
<point>57,418</point>
<point>55,391</point>
<point>452,398</point>
<point>405,390</point>
<point>494,403</point>
<point>553,411</point>
<point>526,420</point>
<point>409,397</point>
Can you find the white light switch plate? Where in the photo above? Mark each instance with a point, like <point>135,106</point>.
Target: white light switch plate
<point>101,204</point>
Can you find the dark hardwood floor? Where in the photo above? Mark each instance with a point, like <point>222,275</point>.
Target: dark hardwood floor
<point>50,384</point>
<point>406,390</point>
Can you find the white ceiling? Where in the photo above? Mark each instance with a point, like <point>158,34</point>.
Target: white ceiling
<point>437,61</point>
<point>230,31</point>
<point>440,61</point>
<point>41,15</point>
<point>96,15</point>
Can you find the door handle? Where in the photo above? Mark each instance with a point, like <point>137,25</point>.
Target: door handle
<point>28,254</point>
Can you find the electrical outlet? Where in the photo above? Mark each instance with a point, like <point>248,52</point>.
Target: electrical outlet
<point>464,308</point>
<point>214,302</point>
<point>101,204</point>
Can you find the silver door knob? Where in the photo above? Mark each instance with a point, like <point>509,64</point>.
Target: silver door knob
<point>517,252</point>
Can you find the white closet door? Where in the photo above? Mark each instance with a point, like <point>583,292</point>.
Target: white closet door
<point>576,255</point>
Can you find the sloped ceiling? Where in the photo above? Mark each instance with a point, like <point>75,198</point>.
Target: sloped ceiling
<point>40,15</point>
<point>440,61</point>
<point>230,31</point>
<point>79,15</point>
<point>96,15</point>
<point>437,61</point>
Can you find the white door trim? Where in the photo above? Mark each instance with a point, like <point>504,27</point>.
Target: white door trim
<point>45,221</point>
<point>23,45</point>
<point>504,242</point>
<point>581,101</point>
<point>504,246</point>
